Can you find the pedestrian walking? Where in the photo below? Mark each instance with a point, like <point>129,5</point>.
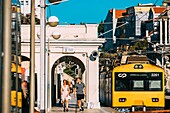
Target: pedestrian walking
<point>25,97</point>
<point>71,87</point>
<point>80,92</point>
<point>65,91</point>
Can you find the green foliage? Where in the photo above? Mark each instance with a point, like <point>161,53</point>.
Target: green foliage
<point>108,55</point>
<point>140,45</point>
<point>69,71</point>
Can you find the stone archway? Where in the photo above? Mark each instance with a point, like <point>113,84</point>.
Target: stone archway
<point>56,82</point>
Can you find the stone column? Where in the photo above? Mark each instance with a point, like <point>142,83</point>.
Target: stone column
<point>161,42</point>
<point>166,34</point>
<point>93,84</point>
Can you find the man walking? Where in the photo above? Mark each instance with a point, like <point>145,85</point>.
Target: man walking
<point>79,91</point>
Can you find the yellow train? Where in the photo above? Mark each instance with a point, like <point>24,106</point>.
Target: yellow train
<point>137,87</point>
<point>15,74</point>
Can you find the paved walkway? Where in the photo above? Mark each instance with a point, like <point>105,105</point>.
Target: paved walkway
<point>74,109</point>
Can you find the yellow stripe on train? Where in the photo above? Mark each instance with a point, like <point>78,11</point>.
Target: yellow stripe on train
<point>13,98</point>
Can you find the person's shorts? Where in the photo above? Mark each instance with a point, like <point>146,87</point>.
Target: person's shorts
<point>80,96</point>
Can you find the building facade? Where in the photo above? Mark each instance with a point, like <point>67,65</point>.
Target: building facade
<point>135,15</point>
<point>125,25</point>
<point>26,7</point>
<point>110,24</point>
<point>151,27</point>
<point>76,45</point>
<point>144,21</point>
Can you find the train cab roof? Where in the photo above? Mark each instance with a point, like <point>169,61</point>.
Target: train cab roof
<point>130,59</point>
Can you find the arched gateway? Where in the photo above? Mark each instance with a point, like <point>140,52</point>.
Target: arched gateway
<point>76,47</point>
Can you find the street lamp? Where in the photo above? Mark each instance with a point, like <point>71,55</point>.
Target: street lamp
<point>53,21</point>
<point>43,6</point>
<point>55,35</point>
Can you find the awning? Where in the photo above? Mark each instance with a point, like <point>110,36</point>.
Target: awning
<point>13,68</point>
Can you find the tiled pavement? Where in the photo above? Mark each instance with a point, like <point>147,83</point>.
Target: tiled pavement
<point>74,109</point>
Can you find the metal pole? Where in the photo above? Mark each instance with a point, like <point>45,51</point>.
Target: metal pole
<point>42,54</point>
<point>48,90</point>
<point>162,49</point>
<point>6,87</point>
<point>1,10</point>
<point>32,56</point>
<point>16,53</point>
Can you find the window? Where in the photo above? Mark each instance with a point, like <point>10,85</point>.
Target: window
<point>154,85</point>
<point>26,2</point>
<point>13,25</point>
<point>22,2</point>
<point>138,81</point>
<point>122,85</point>
<point>124,30</point>
<point>138,85</point>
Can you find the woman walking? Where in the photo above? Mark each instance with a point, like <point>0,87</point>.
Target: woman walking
<point>65,91</point>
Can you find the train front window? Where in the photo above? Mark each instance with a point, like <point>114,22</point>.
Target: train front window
<point>151,81</point>
<point>122,85</point>
<point>138,85</point>
<point>154,85</point>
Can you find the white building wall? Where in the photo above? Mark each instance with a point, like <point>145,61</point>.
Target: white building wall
<point>84,40</point>
<point>26,7</point>
<point>37,8</point>
<point>68,32</point>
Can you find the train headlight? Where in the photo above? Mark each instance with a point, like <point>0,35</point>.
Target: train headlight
<point>138,66</point>
<point>155,99</point>
<point>122,99</point>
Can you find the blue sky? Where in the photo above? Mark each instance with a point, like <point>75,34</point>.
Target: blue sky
<point>90,11</point>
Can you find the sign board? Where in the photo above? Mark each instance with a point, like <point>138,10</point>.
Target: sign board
<point>68,50</point>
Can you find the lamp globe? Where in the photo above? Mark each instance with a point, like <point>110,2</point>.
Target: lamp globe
<point>56,35</point>
<point>53,21</point>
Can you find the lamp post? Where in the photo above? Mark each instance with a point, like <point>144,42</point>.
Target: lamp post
<point>42,49</point>
<point>42,54</point>
<point>55,36</point>
<point>32,56</point>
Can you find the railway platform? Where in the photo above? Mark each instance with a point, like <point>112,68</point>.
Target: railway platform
<point>74,110</point>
